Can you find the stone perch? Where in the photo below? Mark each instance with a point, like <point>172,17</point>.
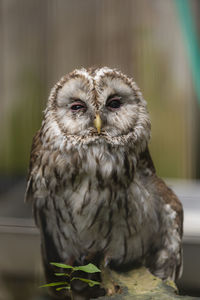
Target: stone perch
<point>138,284</point>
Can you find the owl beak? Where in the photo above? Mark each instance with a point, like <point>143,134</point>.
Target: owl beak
<point>97,123</point>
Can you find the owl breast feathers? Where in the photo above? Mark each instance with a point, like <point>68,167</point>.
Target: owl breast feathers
<point>92,182</point>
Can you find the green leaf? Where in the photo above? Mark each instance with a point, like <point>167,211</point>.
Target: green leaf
<point>91,283</point>
<point>90,268</point>
<point>64,266</point>
<point>54,284</point>
<point>63,288</point>
<point>62,274</point>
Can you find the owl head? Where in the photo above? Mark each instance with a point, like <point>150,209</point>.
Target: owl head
<point>93,106</point>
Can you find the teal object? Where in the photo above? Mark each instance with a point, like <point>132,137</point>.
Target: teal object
<point>191,40</point>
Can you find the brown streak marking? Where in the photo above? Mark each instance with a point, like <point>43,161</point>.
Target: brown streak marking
<point>109,224</point>
<point>57,223</point>
<point>114,176</point>
<point>61,216</point>
<point>89,186</point>
<point>86,201</point>
<point>125,248</point>
<point>111,196</point>
<point>95,94</point>
<point>96,214</point>
<point>75,159</point>
<point>107,243</point>
<point>72,220</point>
<point>57,175</point>
<point>127,213</point>
<point>99,177</point>
<point>91,245</point>
<point>127,167</point>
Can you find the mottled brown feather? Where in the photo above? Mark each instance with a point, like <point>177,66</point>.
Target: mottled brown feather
<point>169,197</point>
<point>34,156</point>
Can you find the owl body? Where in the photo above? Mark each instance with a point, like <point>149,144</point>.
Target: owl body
<point>92,182</point>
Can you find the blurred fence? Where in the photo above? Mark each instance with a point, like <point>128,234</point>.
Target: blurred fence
<point>42,40</point>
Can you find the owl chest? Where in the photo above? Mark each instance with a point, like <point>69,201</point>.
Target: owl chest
<point>111,219</point>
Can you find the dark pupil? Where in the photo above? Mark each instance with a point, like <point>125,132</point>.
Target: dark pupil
<point>114,104</point>
<point>76,107</point>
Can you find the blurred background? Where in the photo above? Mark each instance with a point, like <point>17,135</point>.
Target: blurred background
<point>154,41</point>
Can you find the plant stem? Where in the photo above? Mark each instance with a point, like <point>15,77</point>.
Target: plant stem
<point>71,293</point>
<point>70,277</point>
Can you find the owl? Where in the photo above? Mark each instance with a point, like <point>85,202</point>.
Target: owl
<point>92,183</point>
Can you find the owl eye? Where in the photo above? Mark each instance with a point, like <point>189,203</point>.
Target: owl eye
<point>78,105</point>
<point>114,102</point>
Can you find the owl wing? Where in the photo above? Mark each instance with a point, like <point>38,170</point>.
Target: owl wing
<point>156,185</point>
<point>145,162</point>
<point>35,150</point>
<point>147,170</point>
<point>49,243</point>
